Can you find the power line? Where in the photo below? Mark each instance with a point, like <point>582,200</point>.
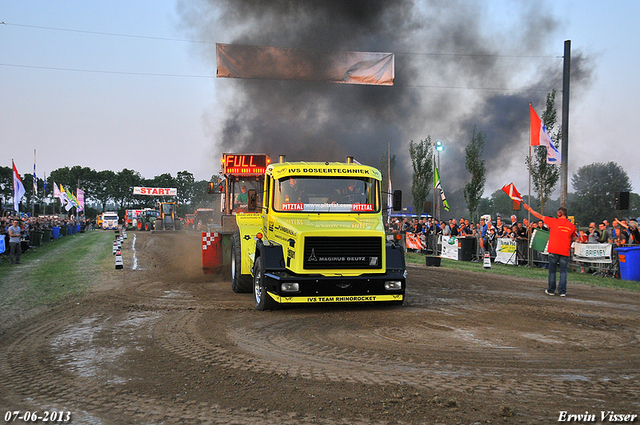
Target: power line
<point>151,74</point>
<point>147,74</point>
<point>184,40</point>
<point>109,33</point>
<point>212,42</point>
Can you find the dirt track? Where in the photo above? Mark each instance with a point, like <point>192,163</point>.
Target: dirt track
<point>163,343</point>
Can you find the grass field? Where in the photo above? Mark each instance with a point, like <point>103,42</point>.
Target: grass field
<point>527,272</point>
<point>58,269</point>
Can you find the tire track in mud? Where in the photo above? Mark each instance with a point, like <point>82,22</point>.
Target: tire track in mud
<point>63,376</point>
<point>301,349</point>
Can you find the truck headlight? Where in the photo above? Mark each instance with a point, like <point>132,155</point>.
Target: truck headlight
<point>393,285</point>
<point>290,287</point>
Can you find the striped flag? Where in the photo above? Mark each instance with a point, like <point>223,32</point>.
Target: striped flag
<point>80,199</point>
<point>18,188</point>
<point>437,185</point>
<point>64,198</point>
<point>35,179</point>
<point>56,192</point>
<point>540,137</point>
<point>72,198</point>
<point>511,190</point>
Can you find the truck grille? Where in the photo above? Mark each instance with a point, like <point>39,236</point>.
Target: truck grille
<point>339,252</point>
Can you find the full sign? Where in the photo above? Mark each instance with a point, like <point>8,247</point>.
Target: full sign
<point>244,164</point>
<point>155,191</point>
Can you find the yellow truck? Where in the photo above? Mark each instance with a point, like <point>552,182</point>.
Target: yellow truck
<point>316,235</point>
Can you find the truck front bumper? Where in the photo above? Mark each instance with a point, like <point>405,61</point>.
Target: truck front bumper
<point>388,287</point>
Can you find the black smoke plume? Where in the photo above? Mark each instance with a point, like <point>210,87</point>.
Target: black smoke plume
<point>453,71</point>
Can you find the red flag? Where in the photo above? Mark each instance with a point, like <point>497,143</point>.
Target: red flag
<point>18,188</point>
<point>540,137</point>
<point>536,126</point>
<point>511,190</point>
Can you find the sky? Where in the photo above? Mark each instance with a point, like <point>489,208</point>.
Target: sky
<point>114,85</point>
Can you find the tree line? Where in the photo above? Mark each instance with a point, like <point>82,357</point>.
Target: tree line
<point>106,189</point>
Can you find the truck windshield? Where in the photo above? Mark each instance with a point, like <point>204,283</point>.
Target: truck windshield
<point>323,194</point>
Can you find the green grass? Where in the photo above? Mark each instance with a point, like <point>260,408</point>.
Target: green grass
<point>62,268</point>
<point>526,272</point>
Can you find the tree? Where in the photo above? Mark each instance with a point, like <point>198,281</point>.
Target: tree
<point>595,186</point>
<point>185,185</point>
<point>122,190</point>
<point>104,194</point>
<point>475,165</point>
<point>422,159</point>
<point>545,176</point>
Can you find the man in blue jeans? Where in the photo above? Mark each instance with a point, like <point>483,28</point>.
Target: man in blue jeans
<point>561,234</point>
<point>15,249</point>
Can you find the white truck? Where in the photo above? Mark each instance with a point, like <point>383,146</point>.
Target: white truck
<point>109,220</point>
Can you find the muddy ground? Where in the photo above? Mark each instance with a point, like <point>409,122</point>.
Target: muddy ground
<point>160,343</point>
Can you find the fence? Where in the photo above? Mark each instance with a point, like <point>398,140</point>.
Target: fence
<point>600,259</point>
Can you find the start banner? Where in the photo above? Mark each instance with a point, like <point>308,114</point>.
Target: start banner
<point>155,191</point>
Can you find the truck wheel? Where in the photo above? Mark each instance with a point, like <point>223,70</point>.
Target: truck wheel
<point>239,283</point>
<point>148,226</point>
<point>262,299</point>
<point>140,225</point>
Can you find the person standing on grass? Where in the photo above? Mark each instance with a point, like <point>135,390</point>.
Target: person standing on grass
<point>561,234</point>
<point>15,250</point>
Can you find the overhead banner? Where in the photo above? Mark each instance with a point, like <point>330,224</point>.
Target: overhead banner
<point>155,191</point>
<point>276,63</point>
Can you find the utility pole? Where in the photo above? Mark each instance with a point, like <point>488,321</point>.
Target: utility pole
<point>564,154</point>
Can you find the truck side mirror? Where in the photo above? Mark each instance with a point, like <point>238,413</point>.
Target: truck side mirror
<point>397,200</point>
<point>252,200</point>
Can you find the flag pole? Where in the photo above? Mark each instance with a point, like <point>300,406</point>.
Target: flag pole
<point>434,209</point>
<point>35,187</point>
<point>564,177</point>
<point>389,207</point>
<point>529,250</point>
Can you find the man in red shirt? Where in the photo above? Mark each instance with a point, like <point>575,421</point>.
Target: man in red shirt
<point>561,234</point>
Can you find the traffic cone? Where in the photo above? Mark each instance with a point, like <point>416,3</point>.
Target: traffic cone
<point>487,260</point>
<point>119,264</point>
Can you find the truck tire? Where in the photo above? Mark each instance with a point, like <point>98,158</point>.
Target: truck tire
<point>239,283</point>
<point>262,299</point>
<point>140,225</point>
<point>148,226</point>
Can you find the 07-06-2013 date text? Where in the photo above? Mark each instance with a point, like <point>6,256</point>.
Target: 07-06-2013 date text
<point>45,416</point>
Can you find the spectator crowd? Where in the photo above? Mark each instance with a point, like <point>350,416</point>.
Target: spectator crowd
<point>28,225</point>
<point>619,233</point>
